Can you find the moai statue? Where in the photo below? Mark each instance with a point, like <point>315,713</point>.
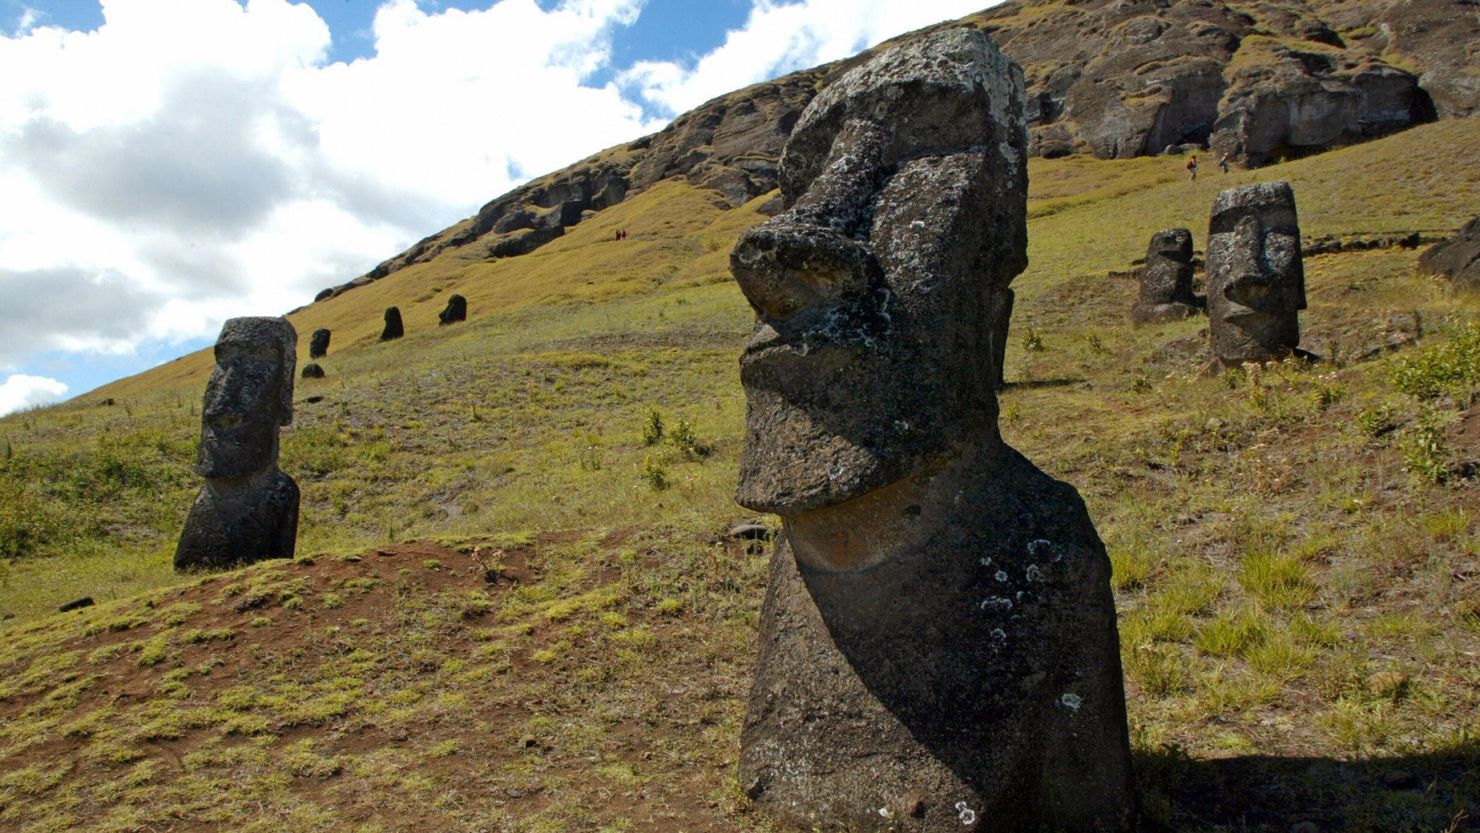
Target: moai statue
<point>1256,279</point>
<point>393,328</point>
<point>247,510</point>
<point>1001,317</point>
<point>312,370</point>
<point>1166,279</point>
<point>938,645</point>
<point>457,310</point>
<point>318,343</point>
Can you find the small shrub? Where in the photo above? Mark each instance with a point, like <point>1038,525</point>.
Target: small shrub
<point>1033,340</point>
<point>684,439</point>
<point>1377,420</point>
<point>1425,453</point>
<point>1095,345</point>
<point>655,473</point>
<point>652,431</point>
<point>1452,368</point>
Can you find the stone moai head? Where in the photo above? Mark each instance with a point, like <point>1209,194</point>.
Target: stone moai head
<point>248,398</point>
<point>393,327</point>
<point>1256,279</point>
<point>456,310</point>
<point>1166,278</point>
<point>318,344</point>
<point>878,290</point>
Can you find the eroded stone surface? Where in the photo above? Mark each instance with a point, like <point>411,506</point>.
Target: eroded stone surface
<point>1166,279</point>
<point>455,311</point>
<point>1457,259</point>
<point>938,641</point>
<point>247,510</point>
<point>318,343</point>
<point>393,327</point>
<point>1255,274</point>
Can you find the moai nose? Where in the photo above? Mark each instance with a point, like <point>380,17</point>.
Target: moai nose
<point>785,268</point>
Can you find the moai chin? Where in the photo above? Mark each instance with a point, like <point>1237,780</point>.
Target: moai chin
<point>938,640</point>
<point>248,509</point>
<point>393,327</point>
<point>1166,279</point>
<point>318,343</point>
<point>1256,278</point>
<point>455,311</point>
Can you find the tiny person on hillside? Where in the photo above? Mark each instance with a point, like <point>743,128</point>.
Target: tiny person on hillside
<point>1223,163</point>
<point>1192,166</point>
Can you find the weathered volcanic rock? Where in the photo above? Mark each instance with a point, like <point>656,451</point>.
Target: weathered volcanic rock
<point>938,639</point>
<point>318,344</point>
<point>1255,274</point>
<point>1458,258</point>
<point>455,311</point>
<point>248,509</point>
<point>1166,279</point>
<point>393,327</point>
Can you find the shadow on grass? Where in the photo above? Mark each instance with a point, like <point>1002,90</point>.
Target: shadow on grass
<point>1438,791</point>
<point>1035,384</point>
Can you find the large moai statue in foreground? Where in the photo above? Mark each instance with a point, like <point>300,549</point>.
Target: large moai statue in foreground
<point>248,509</point>
<point>1256,278</point>
<point>1166,279</point>
<point>938,639</point>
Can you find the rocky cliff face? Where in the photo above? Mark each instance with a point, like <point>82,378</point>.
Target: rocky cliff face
<point>1256,81</point>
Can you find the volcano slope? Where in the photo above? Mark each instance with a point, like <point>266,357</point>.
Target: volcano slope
<point>519,610</point>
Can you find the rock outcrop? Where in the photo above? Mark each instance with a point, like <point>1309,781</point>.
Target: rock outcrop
<point>248,509</point>
<point>1166,279</point>
<point>1457,259</point>
<point>938,639</point>
<point>1255,273</point>
<point>1113,78</point>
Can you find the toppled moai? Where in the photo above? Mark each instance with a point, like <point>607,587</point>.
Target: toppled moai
<point>393,328</point>
<point>456,310</point>
<point>1457,258</point>
<point>1255,275</point>
<point>318,343</point>
<point>248,509</point>
<point>1166,279</point>
<point>938,645</point>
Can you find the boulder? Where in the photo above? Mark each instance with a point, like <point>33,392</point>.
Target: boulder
<point>1457,259</point>
<point>938,644</point>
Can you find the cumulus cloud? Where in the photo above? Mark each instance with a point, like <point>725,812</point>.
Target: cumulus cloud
<point>20,391</point>
<point>782,36</point>
<point>190,160</point>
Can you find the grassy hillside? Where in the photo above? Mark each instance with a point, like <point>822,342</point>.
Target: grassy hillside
<point>1296,553</point>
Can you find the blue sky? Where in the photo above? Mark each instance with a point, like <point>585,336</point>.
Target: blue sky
<point>168,164</point>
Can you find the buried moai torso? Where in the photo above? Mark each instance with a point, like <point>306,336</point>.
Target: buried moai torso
<point>318,343</point>
<point>1256,279</point>
<point>938,643</point>
<point>393,328</point>
<point>248,509</point>
<point>455,311</point>
<point>1166,279</point>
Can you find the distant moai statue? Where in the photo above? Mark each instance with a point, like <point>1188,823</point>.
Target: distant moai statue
<point>938,646</point>
<point>1166,279</point>
<point>1256,277</point>
<point>312,370</point>
<point>456,310</point>
<point>393,328</point>
<point>318,343</point>
<point>248,509</point>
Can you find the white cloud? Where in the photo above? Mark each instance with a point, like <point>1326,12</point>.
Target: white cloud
<point>782,36</point>
<point>20,391</point>
<point>190,160</point>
